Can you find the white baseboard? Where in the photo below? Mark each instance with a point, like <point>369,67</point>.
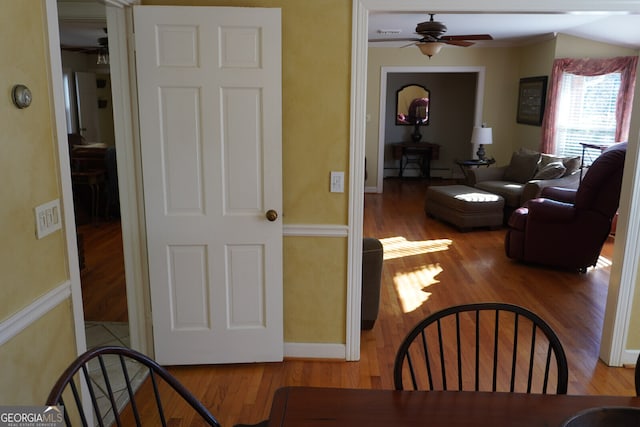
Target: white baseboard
<point>314,351</point>
<point>629,357</point>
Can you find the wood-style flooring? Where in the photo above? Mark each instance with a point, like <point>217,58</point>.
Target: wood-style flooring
<point>104,294</point>
<point>428,265</point>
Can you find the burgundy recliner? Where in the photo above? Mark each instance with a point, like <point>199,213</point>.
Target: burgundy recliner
<point>566,228</point>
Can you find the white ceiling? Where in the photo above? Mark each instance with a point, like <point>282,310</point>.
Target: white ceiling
<point>81,22</point>
<point>513,29</point>
<point>77,34</point>
<point>506,29</point>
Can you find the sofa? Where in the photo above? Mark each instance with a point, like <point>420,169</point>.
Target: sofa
<point>525,176</point>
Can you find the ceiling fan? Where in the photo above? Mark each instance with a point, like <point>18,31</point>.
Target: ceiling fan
<point>432,37</point>
<point>99,48</point>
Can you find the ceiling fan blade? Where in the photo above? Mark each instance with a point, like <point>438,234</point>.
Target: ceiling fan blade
<point>397,39</point>
<point>468,37</point>
<point>410,44</point>
<point>462,43</point>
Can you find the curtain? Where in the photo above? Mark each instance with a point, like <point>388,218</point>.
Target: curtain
<point>625,65</point>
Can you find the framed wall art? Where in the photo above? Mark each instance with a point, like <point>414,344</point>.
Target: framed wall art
<point>531,97</point>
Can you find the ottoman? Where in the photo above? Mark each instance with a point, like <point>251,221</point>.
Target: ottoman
<point>465,207</point>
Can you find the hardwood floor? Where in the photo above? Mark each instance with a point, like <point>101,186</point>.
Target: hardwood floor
<point>104,294</point>
<point>428,265</point>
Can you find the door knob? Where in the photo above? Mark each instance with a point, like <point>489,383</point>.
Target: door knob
<point>272,215</point>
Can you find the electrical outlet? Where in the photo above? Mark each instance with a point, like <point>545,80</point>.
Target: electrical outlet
<point>337,182</point>
<point>48,218</point>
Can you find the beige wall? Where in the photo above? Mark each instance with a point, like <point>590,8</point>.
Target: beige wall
<point>500,91</point>
<point>504,68</point>
<point>316,66</point>
<point>29,268</point>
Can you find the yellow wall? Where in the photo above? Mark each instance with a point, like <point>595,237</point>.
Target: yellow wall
<point>533,60</point>
<point>504,68</point>
<point>316,66</point>
<point>32,361</point>
<point>500,91</point>
<point>29,267</point>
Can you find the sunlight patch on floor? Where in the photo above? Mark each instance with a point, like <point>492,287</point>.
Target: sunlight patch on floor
<point>398,247</point>
<point>412,287</point>
<point>603,262</point>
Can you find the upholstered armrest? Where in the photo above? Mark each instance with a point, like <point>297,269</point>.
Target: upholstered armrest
<point>559,194</point>
<point>535,187</point>
<point>475,175</point>
<point>547,210</point>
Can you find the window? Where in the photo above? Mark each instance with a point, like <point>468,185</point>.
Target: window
<point>586,111</point>
<point>591,101</point>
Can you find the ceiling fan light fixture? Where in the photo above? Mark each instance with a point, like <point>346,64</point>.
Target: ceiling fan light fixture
<point>103,51</point>
<point>103,57</point>
<point>430,48</point>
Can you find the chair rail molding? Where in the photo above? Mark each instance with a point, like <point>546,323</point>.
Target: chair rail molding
<point>15,324</point>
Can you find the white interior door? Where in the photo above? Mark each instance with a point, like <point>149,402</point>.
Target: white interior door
<point>87,98</point>
<point>209,82</point>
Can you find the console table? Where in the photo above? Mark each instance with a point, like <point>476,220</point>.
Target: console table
<point>426,151</point>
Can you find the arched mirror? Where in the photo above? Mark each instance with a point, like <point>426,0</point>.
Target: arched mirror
<point>412,105</point>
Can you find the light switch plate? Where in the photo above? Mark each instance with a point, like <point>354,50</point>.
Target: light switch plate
<point>337,182</point>
<point>48,218</point>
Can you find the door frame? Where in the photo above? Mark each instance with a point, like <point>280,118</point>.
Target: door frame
<point>479,71</point>
<point>127,148</point>
<point>624,274</point>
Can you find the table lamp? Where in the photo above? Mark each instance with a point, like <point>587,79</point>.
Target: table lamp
<point>481,136</point>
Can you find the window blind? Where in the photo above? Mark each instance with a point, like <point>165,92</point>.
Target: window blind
<point>586,111</point>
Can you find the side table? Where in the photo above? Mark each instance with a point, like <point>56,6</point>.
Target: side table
<point>593,146</point>
<point>466,164</point>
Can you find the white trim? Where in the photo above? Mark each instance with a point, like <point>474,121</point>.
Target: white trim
<point>60,128</point>
<point>357,134</point>
<point>315,230</point>
<point>385,71</point>
<point>629,357</point>
<point>499,6</point>
<point>314,350</point>
<point>123,90</point>
<point>621,289</point>
<point>17,323</point>
<point>372,189</point>
<point>120,3</point>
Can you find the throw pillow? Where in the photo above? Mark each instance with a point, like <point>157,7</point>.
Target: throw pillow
<point>545,159</point>
<point>551,170</point>
<point>522,167</point>
<point>572,164</point>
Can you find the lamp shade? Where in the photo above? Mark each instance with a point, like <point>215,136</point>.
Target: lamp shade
<point>482,136</point>
<point>430,48</point>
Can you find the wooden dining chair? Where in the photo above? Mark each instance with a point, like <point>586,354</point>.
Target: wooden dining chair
<point>112,375</point>
<point>482,347</point>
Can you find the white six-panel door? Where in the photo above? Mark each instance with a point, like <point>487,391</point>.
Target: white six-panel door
<point>210,122</point>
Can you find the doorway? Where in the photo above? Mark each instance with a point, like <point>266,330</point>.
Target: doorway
<point>622,288</point>
<point>468,79</point>
<point>90,124</point>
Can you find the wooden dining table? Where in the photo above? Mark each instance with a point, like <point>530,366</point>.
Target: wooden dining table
<point>328,407</point>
